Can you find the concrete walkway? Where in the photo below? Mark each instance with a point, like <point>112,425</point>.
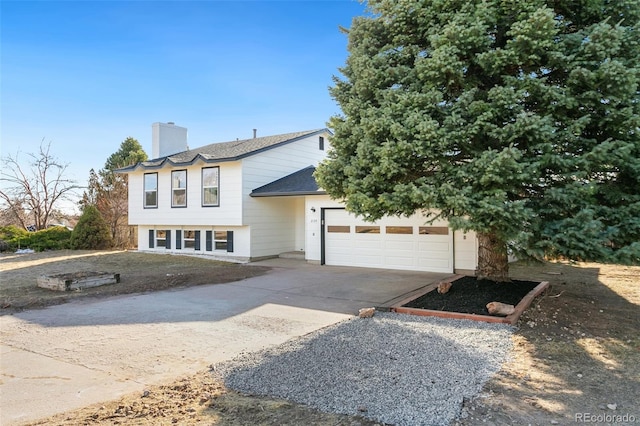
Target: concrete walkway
<point>68,356</point>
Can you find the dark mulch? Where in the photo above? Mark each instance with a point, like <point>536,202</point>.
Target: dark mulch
<point>469,295</point>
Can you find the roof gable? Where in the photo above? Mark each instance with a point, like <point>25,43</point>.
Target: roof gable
<point>225,151</point>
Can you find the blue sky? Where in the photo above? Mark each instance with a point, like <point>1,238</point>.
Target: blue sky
<point>85,75</point>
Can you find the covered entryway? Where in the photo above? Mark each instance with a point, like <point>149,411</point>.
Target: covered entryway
<point>391,243</point>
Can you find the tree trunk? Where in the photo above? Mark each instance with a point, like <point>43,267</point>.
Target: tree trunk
<point>493,263</point>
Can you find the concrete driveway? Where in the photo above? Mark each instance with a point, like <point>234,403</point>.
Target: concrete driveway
<point>68,356</point>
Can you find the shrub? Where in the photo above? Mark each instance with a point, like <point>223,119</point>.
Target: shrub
<point>55,238</point>
<point>14,237</point>
<point>91,232</point>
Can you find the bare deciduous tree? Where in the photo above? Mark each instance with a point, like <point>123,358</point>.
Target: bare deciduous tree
<point>36,188</point>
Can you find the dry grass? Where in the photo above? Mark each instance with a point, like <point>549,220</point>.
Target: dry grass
<point>139,273</point>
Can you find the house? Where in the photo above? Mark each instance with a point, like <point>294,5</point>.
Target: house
<point>257,198</point>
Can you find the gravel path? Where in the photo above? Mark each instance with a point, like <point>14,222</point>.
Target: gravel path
<point>392,368</point>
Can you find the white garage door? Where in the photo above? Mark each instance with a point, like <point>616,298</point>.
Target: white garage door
<point>391,243</point>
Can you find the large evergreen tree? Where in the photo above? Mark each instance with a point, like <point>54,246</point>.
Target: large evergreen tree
<point>519,120</point>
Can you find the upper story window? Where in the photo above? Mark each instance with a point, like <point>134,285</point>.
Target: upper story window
<point>321,143</point>
<point>210,186</point>
<point>179,188</point>
<point>150,190</point>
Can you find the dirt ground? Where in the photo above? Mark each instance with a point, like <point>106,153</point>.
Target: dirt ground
<point>576,355</point>
<point>139,273</point>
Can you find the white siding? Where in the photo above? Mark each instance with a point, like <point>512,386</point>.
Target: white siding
<point>229,213</point>
<point>312,222</point>
<point>299,222</point>
<point>273,232</point>
<point>466,250</point>
<point>273,221</point>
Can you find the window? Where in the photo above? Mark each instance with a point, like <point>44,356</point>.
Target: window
<point>321,143</point>
<point>367,229</point>
<point>399,230</point>
<point>220,240</point>
<point>161,238</point>
<point>433,230</point>
<point>345,229</point>
<point>150,190</point>
<point>190,239</point>
<point>179,188</point>
<point>210,186</point>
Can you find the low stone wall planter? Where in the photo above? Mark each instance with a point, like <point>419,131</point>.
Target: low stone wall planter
<point>77,280</point>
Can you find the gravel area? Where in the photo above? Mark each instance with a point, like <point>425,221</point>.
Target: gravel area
<point>392,368</point>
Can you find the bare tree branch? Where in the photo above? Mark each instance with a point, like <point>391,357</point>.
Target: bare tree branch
<point>36,190</point>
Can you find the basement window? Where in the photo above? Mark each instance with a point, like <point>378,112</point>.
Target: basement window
<point>220,240</point>
<point>161,238</point>
<point>190,239</point>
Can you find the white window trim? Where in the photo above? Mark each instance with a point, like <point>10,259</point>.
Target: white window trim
<point>173,190</point>
<point>144,190</point>
<point>217,204</point>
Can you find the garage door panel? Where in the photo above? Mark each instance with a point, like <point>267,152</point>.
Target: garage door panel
<point>433,246</point>
<point>435,264</point>
<point>407,245</point>
<point>403,247</point>
<point>394,262</point>
<point>363,258</point>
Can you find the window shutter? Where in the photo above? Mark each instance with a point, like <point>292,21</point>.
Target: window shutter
<point>209,242</point>
<point>229,241</point>
<point>178,239</point>
<point>197,241</point>
<point>167,243</point>
<point>152,238</point>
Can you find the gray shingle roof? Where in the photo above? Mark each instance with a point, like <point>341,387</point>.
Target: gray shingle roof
<point>301,182</point>
<point>225,151</point>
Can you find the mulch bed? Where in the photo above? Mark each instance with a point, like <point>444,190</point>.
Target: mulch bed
<point>470,295</point>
